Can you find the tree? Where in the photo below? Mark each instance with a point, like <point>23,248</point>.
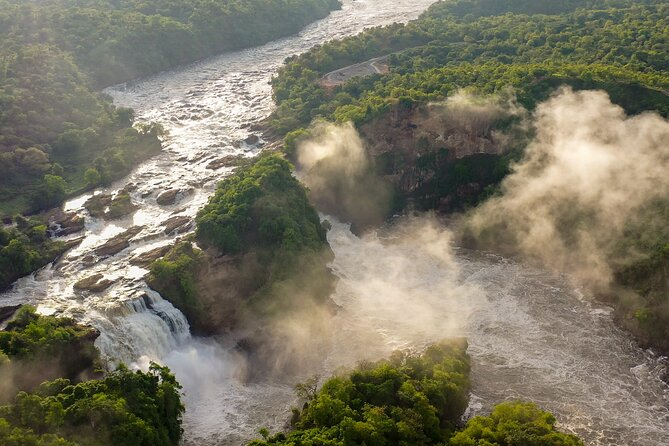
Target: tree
<point>52,192</point>
<point>92,177</point>
<point>514,423</point>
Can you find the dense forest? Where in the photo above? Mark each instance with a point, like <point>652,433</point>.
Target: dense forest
<point>62,398</point>
<point>519,50</point>
<point>116,41</point>
<point>620,47</point>
<point>58,136</point>
<point>411,399</point>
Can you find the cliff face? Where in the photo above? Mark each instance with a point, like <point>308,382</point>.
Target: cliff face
<point>206,288</point>
<point>277,320</point>
<point>440,156</point>
<point>224,293</point>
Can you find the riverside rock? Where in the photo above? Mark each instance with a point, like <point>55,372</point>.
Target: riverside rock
<point>66,223</point>
<point>146,258</point>
<point>8,312</point>
<point>167,197</point>
<point>118,243</point>
<point>179,223</point>
<point>226,161</point>
<point>95,283</point>
<point>252,140</point>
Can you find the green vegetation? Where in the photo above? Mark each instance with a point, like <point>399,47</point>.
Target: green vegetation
<point>411,400</point>
<point>123,409</point>
<point>115,41</point>
<point>619,46</point>
<point>63,348</point>
<point>264,210</point>
<point>408,399</point>
<point>262,204</point>
<point>175,277</point>
<point>54,128</point>
<point>58,137</point>
<point>642,303</point>
<point>513,424</point>
<point>25,248</point>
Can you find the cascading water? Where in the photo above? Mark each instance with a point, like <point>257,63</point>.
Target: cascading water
<point>531,334</point>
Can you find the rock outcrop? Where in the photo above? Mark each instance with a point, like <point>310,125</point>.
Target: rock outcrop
<point>65,223</point>
<point>95,283</point>
<point>118,243</point>
<point>111,207</point>
<point>97,205</point>
<point>167,197</point>
<point>145,259</point>
<point>178,223</point>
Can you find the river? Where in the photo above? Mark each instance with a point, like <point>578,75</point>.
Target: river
<point>532,334</point>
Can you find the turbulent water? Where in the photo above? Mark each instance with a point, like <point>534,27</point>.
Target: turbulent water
<point>531,334</point>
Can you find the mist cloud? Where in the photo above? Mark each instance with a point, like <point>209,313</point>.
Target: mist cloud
<point>334,165</point>
<point>589,171</point>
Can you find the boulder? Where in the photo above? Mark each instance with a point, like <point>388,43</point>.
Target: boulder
<point>95,284</point>
<point>66,223</point>
<point>145,259</point>
<point>226,161</point>
<point>118,243</point>
<point>167,197</point>
<point>130,187</point>
<point>89,260</point>
<point>252,140</point>
<point>97,205</point>
<point>120,206</point>
<point>180,223</point>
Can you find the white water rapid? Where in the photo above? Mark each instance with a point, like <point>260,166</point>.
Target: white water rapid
<point>532,335</point>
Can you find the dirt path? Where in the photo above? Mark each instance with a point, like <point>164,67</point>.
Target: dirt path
<point>378,65</point>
